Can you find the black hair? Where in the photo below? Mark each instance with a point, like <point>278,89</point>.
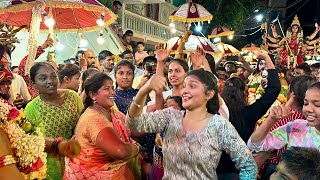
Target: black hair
<point>177,99</point>
<point>211,63</point>
<point>87,74</point>
<point>80,52</point>
<point>117,3</point>
<point>104,54</point>
<point>35,68</point>
<point>183,63</point>
<point>129,32</point>
<point>302,162</point>
<point>234,96</point>
<point>210,83</point>
<point>315,66</point>
<point>125,52</point>
<point>93,84</point>
<point>13,67</point>
<point>67,70</point>
<point>149,59</point>
<point>299,86</point>
<point>150,50</point>
<point>4,49</point>
<point>315,85</point>
<point>305,67</point>
<point>123,63</point>
<point>140,43</point>
<point>125,35</point>
<point>220,68</point>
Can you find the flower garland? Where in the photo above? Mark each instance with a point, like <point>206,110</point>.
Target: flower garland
<point>26,140</point>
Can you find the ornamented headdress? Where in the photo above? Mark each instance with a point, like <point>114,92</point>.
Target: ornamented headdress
<point>7,38</point>
<point>295,21</point>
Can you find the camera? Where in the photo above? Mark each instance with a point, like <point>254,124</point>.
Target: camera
<point>150,67</point>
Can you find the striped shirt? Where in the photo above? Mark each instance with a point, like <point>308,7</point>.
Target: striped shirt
<point>276,154</point>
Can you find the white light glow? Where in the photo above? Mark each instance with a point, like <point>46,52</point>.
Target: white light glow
<point>259,17</point>
<point>83,43</point>
<point>198,28</point>
<point>230,37</point>
<point>173,30</point>
<point>172,25</point>
<point>100,40</point>
<point>217,39</point>
<point>100,22</point>
<point>59,46</point>
<point>49,22</point>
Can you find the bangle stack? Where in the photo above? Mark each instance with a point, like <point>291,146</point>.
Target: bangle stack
<point>7,160</point>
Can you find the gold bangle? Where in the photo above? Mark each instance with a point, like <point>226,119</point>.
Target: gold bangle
<point>136,104</point>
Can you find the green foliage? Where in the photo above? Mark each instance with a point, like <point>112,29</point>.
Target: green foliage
<point>228,13</point>
<point>107,3</point>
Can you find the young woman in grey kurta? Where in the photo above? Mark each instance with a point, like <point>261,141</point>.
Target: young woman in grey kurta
<point>192,154</point>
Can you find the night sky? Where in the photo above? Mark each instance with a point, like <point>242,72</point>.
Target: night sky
<point>308,14</point>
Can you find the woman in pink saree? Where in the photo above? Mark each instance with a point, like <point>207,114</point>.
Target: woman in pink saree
<point>106,146</point>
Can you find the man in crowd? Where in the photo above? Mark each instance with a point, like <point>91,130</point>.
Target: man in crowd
<point>106,60</point>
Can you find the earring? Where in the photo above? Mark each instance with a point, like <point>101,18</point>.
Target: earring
<point>94,101</point>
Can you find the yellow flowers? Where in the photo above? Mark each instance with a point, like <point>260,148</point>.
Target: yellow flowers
<point>252,90</point>
<point>21,116</point>
<point>282,98</point>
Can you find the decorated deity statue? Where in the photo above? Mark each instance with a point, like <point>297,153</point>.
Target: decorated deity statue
<point>293,46</point>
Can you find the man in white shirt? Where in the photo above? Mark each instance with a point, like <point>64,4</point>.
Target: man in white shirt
<point>19,93</point>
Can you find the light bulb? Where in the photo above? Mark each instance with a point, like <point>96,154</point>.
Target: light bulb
<point>83,43</point>
<point>59,46</point>
<point>100,40</point>
<point>49,22</point>
<point>230,37</point>
<point>217,39</point>
<point>173,30</point>
<point>172,25</point>
<point>100,22</point>
<point>259,17</point>
<point>198,28</point>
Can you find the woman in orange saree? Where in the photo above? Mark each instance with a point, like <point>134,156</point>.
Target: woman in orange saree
<point>106,146</point>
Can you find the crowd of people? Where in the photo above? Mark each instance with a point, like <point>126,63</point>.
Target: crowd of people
<point>154,116</point>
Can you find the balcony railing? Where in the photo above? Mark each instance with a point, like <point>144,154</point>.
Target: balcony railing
<point>149,28</point>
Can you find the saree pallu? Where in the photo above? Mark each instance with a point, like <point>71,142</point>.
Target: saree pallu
<point>75,171</point>
<point>157,171</point>
<point>92,162</point>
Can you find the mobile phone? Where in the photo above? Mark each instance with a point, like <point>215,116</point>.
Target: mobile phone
<point>1,67</point>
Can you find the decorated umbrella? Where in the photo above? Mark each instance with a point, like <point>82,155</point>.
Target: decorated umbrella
<point>69,15</point>
<point>220,31</point>
<point>191,12</point>
<point>62,15</point>
<point>227,50</point>
<point>192,44</point>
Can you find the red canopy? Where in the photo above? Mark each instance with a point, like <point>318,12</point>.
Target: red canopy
<point>69,15</point>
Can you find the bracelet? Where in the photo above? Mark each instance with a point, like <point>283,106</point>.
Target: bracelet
<point>54,145</point>
<point>136,104</point>
<point>7,160</point>
<point>139,147</point>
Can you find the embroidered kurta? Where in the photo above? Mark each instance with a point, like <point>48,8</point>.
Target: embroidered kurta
<point>195,155</point>
<point>55,121</point>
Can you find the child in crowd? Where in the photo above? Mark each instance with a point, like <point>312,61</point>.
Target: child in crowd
<point>298,163</point>
<point>301,132</point>
<point>140,54</point>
